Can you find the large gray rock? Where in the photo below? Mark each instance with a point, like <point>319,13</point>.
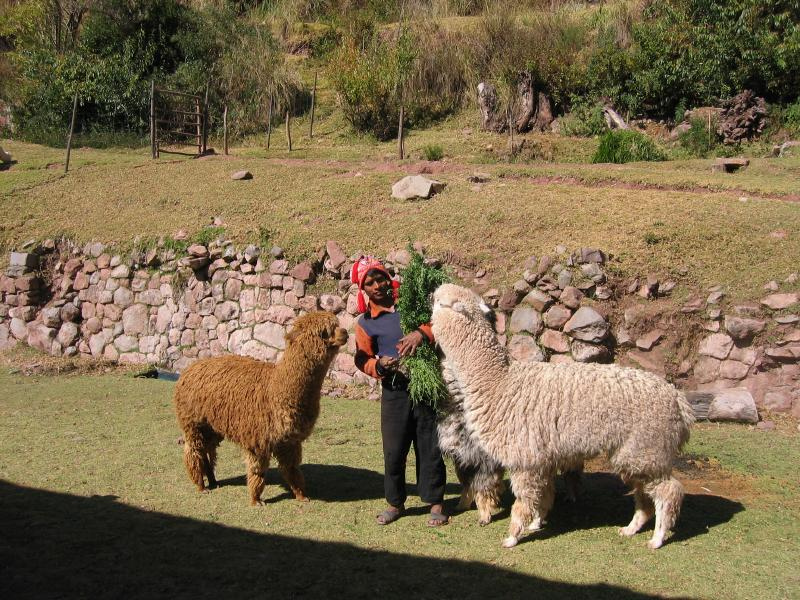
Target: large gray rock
<point>781,301</point>
<point>523,348</point>
<point>587,325</point>
<point>585,352</point>
<point>717,345</point>
<point>735,404</point>
<point>743,329</point>
<point>525,318</point>
<point>416,186</point>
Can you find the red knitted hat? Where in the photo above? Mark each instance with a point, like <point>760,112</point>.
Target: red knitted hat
<point>358,273</point>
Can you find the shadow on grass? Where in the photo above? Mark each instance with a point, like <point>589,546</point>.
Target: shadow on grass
<point>58,545</point>
<point>332,483</point>
<point>606,501</point>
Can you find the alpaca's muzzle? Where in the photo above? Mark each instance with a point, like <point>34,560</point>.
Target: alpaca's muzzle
<point>340,338</point>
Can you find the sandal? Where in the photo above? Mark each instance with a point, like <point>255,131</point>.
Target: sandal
<point>388,516</point>
<point>438,519</point>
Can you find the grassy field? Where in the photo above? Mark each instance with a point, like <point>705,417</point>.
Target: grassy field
<point>95,503</point>
<point>737,230</point>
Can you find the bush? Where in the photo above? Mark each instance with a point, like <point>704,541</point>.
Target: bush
<point>791,117</point>
<point>584,120</point>
<point>625,145</point>
<point>433,152</point>
<point>697,141</point>
<point>419,66</point>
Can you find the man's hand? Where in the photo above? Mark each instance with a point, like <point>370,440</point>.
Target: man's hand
<point>408,344</point>
<point>387,363</point>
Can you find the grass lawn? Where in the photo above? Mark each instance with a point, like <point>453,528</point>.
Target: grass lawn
<point>95,502</point>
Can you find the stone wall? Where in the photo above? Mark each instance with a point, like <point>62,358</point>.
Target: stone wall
<point>157,308</point>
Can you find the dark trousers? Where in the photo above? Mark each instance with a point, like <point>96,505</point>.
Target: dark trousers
<point>401,425</point>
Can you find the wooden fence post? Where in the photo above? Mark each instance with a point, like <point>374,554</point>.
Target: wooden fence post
<point>400,145</point>
<point>225,130</point>
<point>288,130</point>
<point>71,129</point>
<point>313,104</point>
<point>153,117</point>
<point>205,121</point>
<point>198,126</point>
<point>269,121</point>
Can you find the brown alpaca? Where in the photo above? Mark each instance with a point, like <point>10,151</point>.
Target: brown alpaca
<point>267,409</point>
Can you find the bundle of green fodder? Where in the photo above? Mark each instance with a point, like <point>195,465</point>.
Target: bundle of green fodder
<point>414,303</point>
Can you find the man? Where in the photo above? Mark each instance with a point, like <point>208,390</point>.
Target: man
<point>380,344</point>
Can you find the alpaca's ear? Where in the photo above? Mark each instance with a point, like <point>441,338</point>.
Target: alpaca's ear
<point>291,336</point>
<point>459,307</point>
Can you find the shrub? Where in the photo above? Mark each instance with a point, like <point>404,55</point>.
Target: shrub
<point>697,141</point>
<point>433,152</point>
<point>791,117</point>
<point>584,120</point>
<point>625,145</point>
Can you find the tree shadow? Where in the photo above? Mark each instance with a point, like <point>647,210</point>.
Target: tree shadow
<point>332,483</point>
<point>58,545</point>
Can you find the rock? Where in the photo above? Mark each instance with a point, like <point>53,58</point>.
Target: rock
<point>251,254</point>
<point>336,256</point>
<point>706,369</point>
<point>554,340</point>
<point>591,255</point>
<point>51,316</point>
<point>692,306</point>
<point>241,175</point>
<point>786,319</point>
<point>587,325</point>
<point>508,300</point>
<point>304,272</point>
<point>226,311</point>
<point>789,353</point>
<point>780,301</point>
<point>765,425</point>
<point>523,348</point>
<point>651,361</point>
<point>123,297</point>
<point>5,157</point>
<point>700,403</point>
<point>715,297</point>
<point>564,278</point>
<point>331,302</point>
<point>556,316</point>
<point>271,334</point>
<point>771,286</point>
<point>198,250</point>
<point>650,339</point>
<point>717,345</point>
<point>41,337</point>
<point>478,177</point>
<point>18,328</point>
<point>729,165</point>
<point>416,186</point>
<point>649,288</point>
<point>778,400</point>
<point>135,319</point>
<point>571,297</point>
<point>69,312</point>
<point>521,287</point>
<point>525,318</point>
<point>585,352</point>
<point>743,329</point>
<point>735,404</point>
<point>538,300</point>
<point>733,369</point>
<point>593,272</point>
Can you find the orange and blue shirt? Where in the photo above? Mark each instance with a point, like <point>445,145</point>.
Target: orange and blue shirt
<point>377,334</point>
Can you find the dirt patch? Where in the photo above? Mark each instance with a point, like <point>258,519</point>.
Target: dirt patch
<point>29,363</point>
<point>626,185</point>
<point>699,475</point>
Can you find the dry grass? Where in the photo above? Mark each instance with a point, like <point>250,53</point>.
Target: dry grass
<point>343,194</point>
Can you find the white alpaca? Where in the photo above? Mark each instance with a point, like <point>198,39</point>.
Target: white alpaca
<point>534,418</point>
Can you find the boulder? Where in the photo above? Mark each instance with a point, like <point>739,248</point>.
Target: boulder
<point>716,345</point>
<point>781,301</point>
<point>241,175</point>
<point>556,316</point>
<point>743,329</point>
<point>585,352</point>
<point>587,325</point>
<point>416,186</point>
<point>554,340</point>
<point>523,348</point>
<point>525,318</point>
<point>735,404</point>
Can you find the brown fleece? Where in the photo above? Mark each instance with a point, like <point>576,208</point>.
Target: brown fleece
<point>267,409</point>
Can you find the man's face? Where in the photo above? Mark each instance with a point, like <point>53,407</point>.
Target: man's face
<point>377,287</point>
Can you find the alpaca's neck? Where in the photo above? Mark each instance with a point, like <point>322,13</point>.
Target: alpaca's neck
<point>297,380</point>
<point>479,363</point>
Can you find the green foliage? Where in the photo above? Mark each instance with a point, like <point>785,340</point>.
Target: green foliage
<point>374,80</point>
<point>698,51</point>
<point>698,141</point>
<point>791,117</point>
<point>585,119</point>
<point>625,145</point>
<point>433,152</point>
<point>208,234</point>
<point>414,305</point>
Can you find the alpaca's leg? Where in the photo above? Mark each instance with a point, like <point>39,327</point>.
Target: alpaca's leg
<point>644,510</point>
<point>667,496</point>
<point>466,476</point>
<point>256,467</point>
<point>193,456</point>
<point>531,491</point>
<point>212,441</point>
<point>573,478</point>
<point>548,496</point>
<point>289,455</point>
